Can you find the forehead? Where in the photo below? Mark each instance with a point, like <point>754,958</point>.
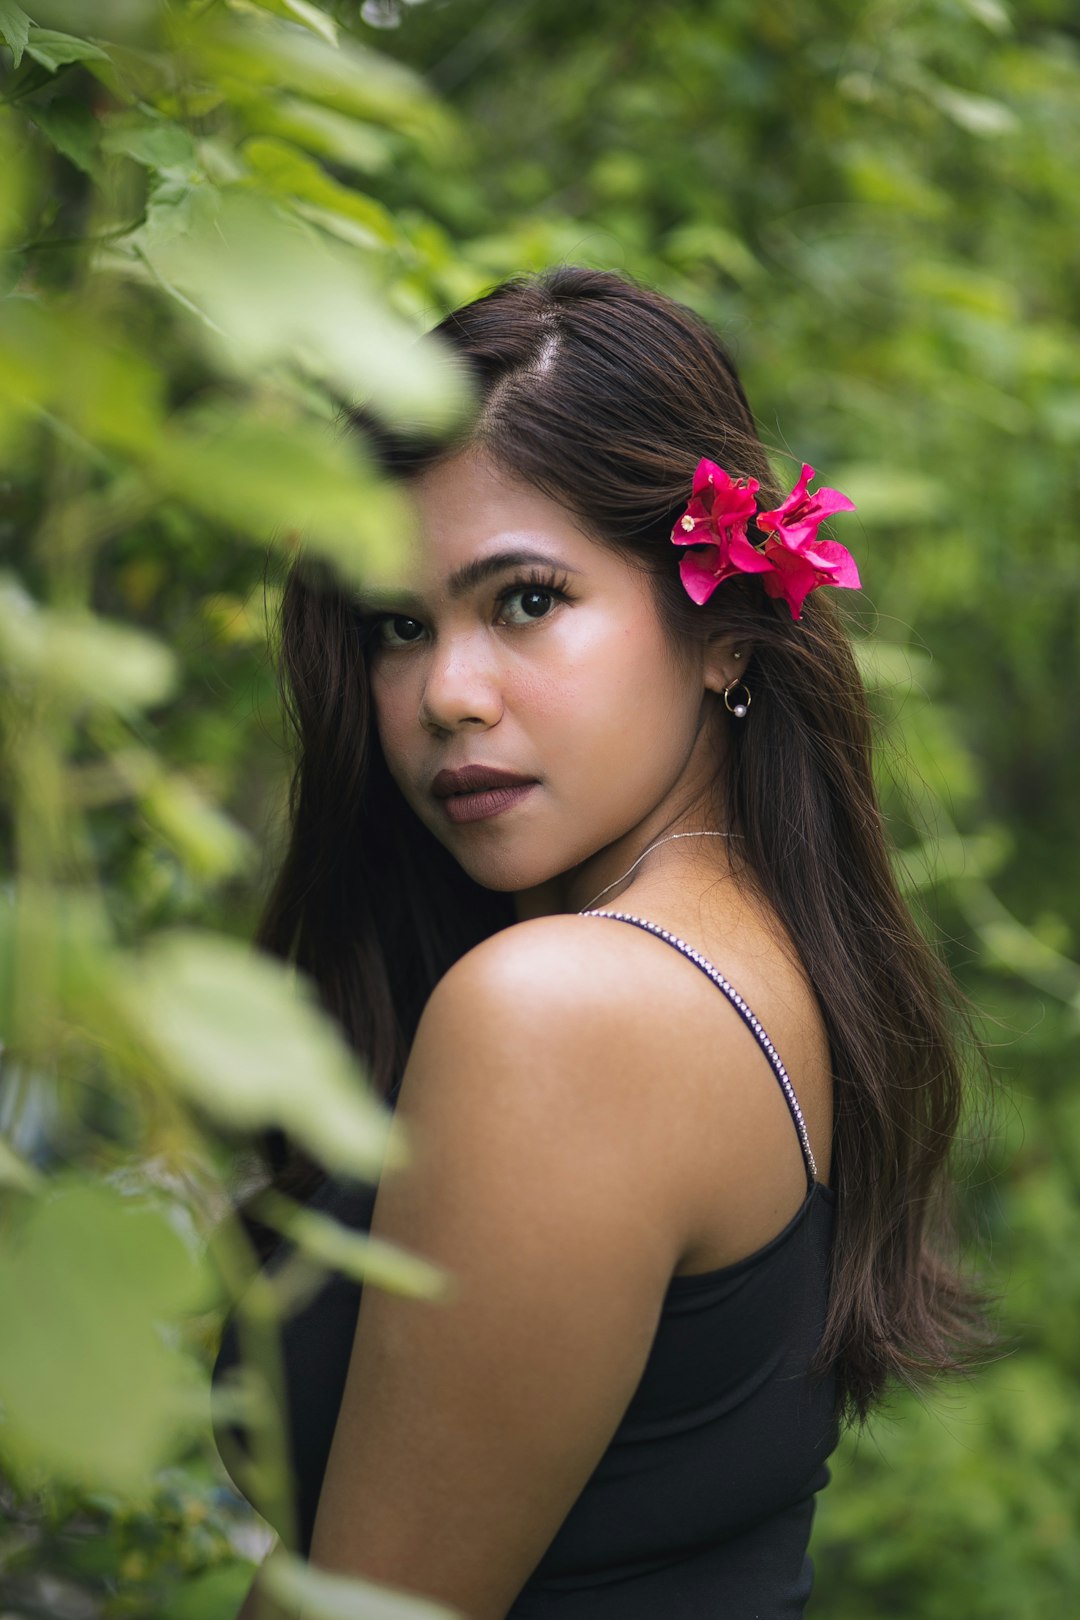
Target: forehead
<point>466,507</point>
<point>477,524</point>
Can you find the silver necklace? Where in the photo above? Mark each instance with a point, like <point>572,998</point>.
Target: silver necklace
<point>641,857</point>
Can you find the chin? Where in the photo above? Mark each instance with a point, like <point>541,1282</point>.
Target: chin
<point>505,872</point>
<point>502,877</point>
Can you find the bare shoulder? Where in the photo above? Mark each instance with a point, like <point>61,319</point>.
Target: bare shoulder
<point>571,1012</point>
<point>602,1040</point>
<point>545,1034</point>
<point>557,949</point>
<point>580,967</point>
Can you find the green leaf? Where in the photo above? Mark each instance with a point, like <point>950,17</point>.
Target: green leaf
<point>176,206</point>
<point>266,287</point>
<point>31,347</point>
<point>159,144</point>
<point>979,115</point>
<point>354,1254</point>
<point>304,12</point>
<point>79,657</point>
<point>15,1171</point>
<point>293,174</point>
<point>348,77</point>
<point>72,129</point>
<point>54,50</point>
<point>293,1581</point>
<point>288,481</point>
<point>72,363</point>
<point>15,26</point>
<point>92,1388</point>
<point>243,1037</point>
<point>991,13</point>
<point>211,1594</point>
<point>346,141</point>
<point>17,182</point>
<point>207,840</point>
<point>55,948</point>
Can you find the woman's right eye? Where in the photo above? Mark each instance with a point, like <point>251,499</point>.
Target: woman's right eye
<point>395,621</point>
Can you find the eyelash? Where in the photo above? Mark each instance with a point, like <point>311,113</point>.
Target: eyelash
<point>535,580</point>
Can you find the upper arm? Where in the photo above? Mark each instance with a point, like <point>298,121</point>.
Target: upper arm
<point>469,1425</point>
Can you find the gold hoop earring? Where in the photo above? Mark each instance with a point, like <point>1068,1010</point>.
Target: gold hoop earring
<point>737,709</point>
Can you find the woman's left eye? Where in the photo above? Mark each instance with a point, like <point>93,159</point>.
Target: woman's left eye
<point>536,602</point>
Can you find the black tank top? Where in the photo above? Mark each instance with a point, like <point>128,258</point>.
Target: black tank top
<point>702,1504</point>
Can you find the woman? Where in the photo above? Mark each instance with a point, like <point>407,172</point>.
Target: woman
<point>601,753</point>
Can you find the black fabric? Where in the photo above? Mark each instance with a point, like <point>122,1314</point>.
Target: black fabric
<point>702,1504</point>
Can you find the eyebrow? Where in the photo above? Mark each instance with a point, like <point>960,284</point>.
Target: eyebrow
<point>467,577</point>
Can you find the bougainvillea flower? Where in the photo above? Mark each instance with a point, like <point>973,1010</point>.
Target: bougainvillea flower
<point>719,510</point>
<point>702,572</point>
<point>797,519</point>
<point>792,560</point>
<point>802,560</point>
<point>797,573</point>
<point>717,503</point>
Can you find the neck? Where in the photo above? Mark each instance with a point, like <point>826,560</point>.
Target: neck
<point>670,837</point>
<point>598,881</point>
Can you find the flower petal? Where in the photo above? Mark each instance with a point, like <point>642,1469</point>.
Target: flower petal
<point>691,530</point>
<point>826,501</point>
<point>699,574</point>
<point>831,558</point>
<point>793,578</point>
<point>708,475</point>
<point>767,521</point>
<point>746,558</point>
<point>798,517</point>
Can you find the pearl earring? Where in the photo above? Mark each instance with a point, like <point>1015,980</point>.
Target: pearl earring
<point>737,709</point>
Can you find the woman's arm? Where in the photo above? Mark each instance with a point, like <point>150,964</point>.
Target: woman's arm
<point>544,1180</point>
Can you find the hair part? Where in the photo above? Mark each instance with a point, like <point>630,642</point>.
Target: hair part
<point>603,394</point>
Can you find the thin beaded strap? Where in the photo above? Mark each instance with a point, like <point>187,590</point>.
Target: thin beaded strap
<point>744,1012</point>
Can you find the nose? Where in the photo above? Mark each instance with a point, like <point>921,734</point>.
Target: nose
<point>461,687</point>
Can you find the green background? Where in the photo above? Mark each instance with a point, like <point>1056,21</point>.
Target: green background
<point>200,206</point>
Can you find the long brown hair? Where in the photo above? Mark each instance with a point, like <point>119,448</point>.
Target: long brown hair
<point>604,394</point>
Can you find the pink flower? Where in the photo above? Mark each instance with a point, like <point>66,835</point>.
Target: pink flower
<point>802,561</point>
<point>798,518</point>
<point>792,560</point>
<point>719,510</point>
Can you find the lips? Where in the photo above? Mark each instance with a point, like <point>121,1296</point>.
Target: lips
<point>475,779</point>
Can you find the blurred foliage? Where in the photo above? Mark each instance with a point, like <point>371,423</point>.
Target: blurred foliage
<point>218,218</point>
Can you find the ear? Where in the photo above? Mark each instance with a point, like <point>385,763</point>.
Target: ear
<point>725,660</point>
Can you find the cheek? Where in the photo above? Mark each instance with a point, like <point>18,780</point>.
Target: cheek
<point>617,676</point>
<point>395,719</point>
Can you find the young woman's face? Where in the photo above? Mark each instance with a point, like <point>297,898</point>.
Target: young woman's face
<point>516,641</point>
